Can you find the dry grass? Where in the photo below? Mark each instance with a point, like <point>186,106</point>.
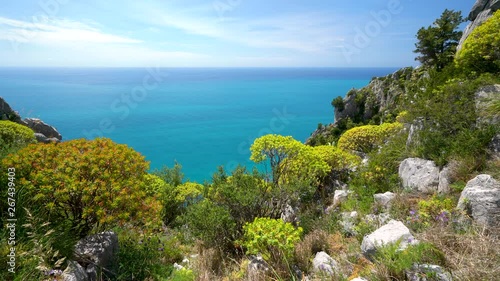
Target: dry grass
<point>471,256</point>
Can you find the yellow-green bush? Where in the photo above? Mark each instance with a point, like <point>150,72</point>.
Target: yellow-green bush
<point>14,136</point>
<point>336,158</point>
<point>366,138</point>
<point>89,184</point>
<point>272,238</point>
<point>291,160</point>
<point>481,50</point>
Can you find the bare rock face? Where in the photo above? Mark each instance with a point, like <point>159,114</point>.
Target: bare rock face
<point>41,127</point>
<point>481,12</point>
<point>6,112</point>
<point>97,252</point>
<point>480,200</point>
<point>43,132</point>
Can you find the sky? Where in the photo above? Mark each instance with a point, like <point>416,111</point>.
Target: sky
<point>215,33</point>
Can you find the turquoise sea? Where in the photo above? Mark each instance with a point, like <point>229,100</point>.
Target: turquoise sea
<point>200,117</point>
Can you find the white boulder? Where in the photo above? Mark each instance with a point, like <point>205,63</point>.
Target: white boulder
<point>480,199</point>
<point>392,232</point>
<point>419,174</point>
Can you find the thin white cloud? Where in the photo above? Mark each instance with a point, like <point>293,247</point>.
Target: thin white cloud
<point>314,32</point>
<point>50,31</point>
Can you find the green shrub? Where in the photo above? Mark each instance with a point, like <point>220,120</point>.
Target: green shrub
<point>13,137</point>
<point>272,238</point>
<point>212,224</point>
<point>174,199</point>
<point>481,50</point>
<point>366,138</point>
<point>146,256</point>
<point>91,184</point>
<point>172,176</point>
<point>338,103</point>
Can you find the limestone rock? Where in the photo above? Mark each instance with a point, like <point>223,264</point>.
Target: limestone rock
<point>480,199</point>
<point>384,199</point>
<point>97,251</point>
<point>324,264</point>
<point>428,272</point>
<point>419,174</point>
<point>348,223</point>
<point>41,127</point>
<point>74,272</point>
<point>289,214</point>
<point>484,98</point>
<point>444,180</point>
<point>494,147</point>
<point>390,233</point>
<point>339,197</point>
<point>257,267</point>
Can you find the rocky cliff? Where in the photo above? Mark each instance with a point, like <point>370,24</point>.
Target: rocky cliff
<point>43,132</point>
<point>481,11</point>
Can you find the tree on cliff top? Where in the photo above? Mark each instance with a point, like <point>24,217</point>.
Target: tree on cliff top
<point>437,44</point>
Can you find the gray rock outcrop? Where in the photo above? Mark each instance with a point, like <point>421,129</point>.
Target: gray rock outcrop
<point>392,232</point>
<point>74,272</point>
<point>257,267</point>
<point>289,214</point>
<point>97,252</point>
<point>384,199</point>
<point>339,197</point>
<point>6,112</point>
<point>428,272</point>
<point>324,264</point>
<point>485,97</point>
<point>480,200</point>
<point>348,223</point>
<point>41,127</point>
<point>419,174</point>
<point>444,180</point>
<point>481,12</point>
<point>494,147</point>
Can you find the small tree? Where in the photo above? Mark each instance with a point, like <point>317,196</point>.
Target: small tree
<point>338,103</point>
<point>437,44</point>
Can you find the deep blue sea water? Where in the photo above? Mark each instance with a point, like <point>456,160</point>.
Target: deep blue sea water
<point>200,117</point>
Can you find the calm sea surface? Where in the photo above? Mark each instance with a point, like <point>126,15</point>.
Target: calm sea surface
<point>200,117</point>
